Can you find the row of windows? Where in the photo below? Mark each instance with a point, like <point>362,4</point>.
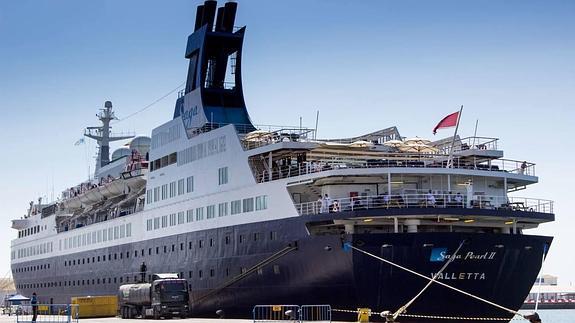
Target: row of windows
<point>108,234</point>
<point>31,231</point>
<point>38,249</point>
<point>32,268</point>
<point>170,190</point>
<point>163,162</point>
<point>202,150</point>
<point>120,280</point>
<point>163,138</point>
<point>238,206</point>
<point>201,243</point>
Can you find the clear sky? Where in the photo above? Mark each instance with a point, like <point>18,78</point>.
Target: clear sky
<point>365,65</point>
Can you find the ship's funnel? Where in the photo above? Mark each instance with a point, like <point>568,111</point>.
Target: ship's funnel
<point>209,13</point>
<point>199,15</point>
<point>229,16</point>
<point>219,19</point>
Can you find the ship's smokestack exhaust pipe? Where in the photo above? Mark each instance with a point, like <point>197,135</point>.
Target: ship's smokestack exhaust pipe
<point>209,13</point>
<point>219,19</point>
<point>199,15</point>
<point>225,17</point>
<point>229,18</point>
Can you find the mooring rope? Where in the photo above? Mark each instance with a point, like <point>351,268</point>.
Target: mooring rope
<point>437,317</point>
<point>349,245</point>
<point>403,308</point>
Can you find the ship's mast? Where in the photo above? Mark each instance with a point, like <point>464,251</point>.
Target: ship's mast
<point>103,136</point>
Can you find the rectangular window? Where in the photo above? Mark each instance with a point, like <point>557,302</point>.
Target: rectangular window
<point>222,176</point>
<point>149,196</point>
<point>128,230</point>
<point>189,215</point>
<point>164,191</point>
<point>223,209</point>
<point>181,186</point>
<point>156,223</point>
<point>156,194</point>
<point>164,221</point>
<point>122,231</point>
<point>211,211</point>
<point>172,219</point>
<point>248,204</point>
<point>189,184</point>
<point>172,189</point>
<point>236,207</point>
<point>261,202</point>
<point>199,214</point>
<point>99,236</point>
<point>180,217</point>
<point>116,232</point>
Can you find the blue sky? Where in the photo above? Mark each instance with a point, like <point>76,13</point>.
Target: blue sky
<point>365,65</point>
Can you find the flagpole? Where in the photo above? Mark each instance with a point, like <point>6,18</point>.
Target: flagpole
<point>450,158</point>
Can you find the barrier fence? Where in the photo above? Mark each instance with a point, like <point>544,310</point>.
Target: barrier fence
<point>48,313</point>
<point>292,313</point>
<point>315,313</point>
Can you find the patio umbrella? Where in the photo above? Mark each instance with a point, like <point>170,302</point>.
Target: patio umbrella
<point>361,143</point>
<point>394,143</point>
<point>418,148</point>
<point>18,298</point>
<point>417,140</point>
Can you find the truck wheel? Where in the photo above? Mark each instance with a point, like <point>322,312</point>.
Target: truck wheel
<point>123,312</point>
<point>156,314</point>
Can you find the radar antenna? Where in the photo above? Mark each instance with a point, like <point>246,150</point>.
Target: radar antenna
<point>103,136</point>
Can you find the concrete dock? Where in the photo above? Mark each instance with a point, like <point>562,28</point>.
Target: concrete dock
<point>12,319</point>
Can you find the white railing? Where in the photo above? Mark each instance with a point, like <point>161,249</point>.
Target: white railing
<point>479,143</point>
<point>425,201</point>
<point>270,134</point>
<point>309,167</point>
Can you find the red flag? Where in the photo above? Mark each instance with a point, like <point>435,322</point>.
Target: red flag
<point>449,121</point>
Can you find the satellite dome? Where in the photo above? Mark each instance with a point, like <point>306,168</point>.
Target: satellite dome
<point>121,152</point>
<point>141,144</point>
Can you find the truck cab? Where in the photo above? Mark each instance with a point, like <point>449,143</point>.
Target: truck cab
<point>169,297</point>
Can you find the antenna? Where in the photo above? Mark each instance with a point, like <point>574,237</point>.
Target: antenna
<point>316,121</point>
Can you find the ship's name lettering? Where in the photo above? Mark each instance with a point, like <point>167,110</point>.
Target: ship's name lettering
<point>188,115</point>
<point>459,276</point>
<point>470,255</point>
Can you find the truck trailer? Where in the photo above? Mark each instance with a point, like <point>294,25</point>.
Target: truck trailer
<point>165,296</point>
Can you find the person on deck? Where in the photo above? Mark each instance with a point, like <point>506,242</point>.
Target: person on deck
<point>34,303</point>
<point>430,199</point>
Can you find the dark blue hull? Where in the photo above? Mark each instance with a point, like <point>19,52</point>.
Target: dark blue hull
<point>498,267</point>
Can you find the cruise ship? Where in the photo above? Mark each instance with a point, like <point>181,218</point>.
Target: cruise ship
<point>253,214</point>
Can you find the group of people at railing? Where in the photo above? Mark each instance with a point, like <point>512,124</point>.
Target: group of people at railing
<point>326,204</point>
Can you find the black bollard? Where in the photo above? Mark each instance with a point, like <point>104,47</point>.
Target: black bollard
<point>533,318</point>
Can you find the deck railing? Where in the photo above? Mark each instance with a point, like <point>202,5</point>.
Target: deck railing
<point>309,167</point>
<point>425,201</point>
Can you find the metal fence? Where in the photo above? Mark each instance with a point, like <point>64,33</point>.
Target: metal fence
<point>427,201</point>
<point>292,313</point>
<point>48,313</point>
<point>276,313</point>
<point>315,313</point>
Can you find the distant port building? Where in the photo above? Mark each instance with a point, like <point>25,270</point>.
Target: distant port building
<point>551,295</point>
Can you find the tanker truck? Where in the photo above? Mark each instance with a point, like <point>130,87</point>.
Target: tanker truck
<point>165,296</point>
